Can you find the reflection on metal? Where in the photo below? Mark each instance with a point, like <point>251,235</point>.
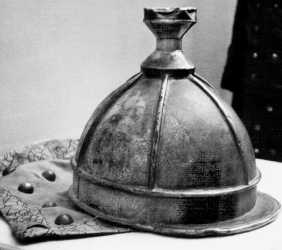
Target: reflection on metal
<point>165,153</point>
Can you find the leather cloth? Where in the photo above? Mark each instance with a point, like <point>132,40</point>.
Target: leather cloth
<point>253,73</point>
<point>26,213</point>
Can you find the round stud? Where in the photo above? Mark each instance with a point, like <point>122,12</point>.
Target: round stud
<point>49,204</point>
<point>272,152</point>
<point>253,76</point>
<point>64,219</point>
<point>255,55</point>
<point>8,170</point>
<point>256,28</point>
<point>26,188</point>
<point>269,109</point>
<point>49,175</point>
<point>274,56</point>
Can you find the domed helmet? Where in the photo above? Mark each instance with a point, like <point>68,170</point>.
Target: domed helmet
<point>165,153</point>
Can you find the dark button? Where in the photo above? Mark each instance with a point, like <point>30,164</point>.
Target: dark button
<point>256,28</point>
<point>274,56</point>
<point>272,152</point>
<point>255,55</point>
<point>253,76</point>
<point>26,188</point>
<point>257,127</point>
<point>49,204</point>
<point>269,109</point>
<point>64,219</point>
<point>8,170</point>
<point>49,175</point>
<point>258,5</point>
<point>256,151</point>
<point>276,5</point>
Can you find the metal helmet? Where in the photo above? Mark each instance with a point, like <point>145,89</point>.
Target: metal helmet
<point>165,153</point>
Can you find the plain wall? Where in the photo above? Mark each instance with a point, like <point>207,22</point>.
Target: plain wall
<point>60,58</point>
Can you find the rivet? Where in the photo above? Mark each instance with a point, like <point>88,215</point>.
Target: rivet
<point>26,188</point>
<point>64,219</point>
<point>49,175</point>
<point>8,170</point>
<point>49,204</point>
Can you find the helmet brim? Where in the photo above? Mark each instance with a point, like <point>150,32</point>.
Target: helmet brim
<point>264,212</point>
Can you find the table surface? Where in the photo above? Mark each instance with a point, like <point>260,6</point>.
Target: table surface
<point>267,237</point>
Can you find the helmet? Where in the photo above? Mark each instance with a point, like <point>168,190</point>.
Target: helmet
<point>165,153</point>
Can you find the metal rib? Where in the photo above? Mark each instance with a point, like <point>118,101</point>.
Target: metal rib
<point>229,122</point>
<point>157,132</point>
<point>159,192</point>
<point>102,109</point>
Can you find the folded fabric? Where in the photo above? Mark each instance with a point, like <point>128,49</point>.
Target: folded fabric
<point>33,194</point>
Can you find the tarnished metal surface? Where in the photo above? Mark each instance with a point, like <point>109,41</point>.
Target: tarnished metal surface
<point>120,143</point>
<point>165,153</point>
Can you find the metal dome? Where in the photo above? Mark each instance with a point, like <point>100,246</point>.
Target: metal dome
<point>165,153</point>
